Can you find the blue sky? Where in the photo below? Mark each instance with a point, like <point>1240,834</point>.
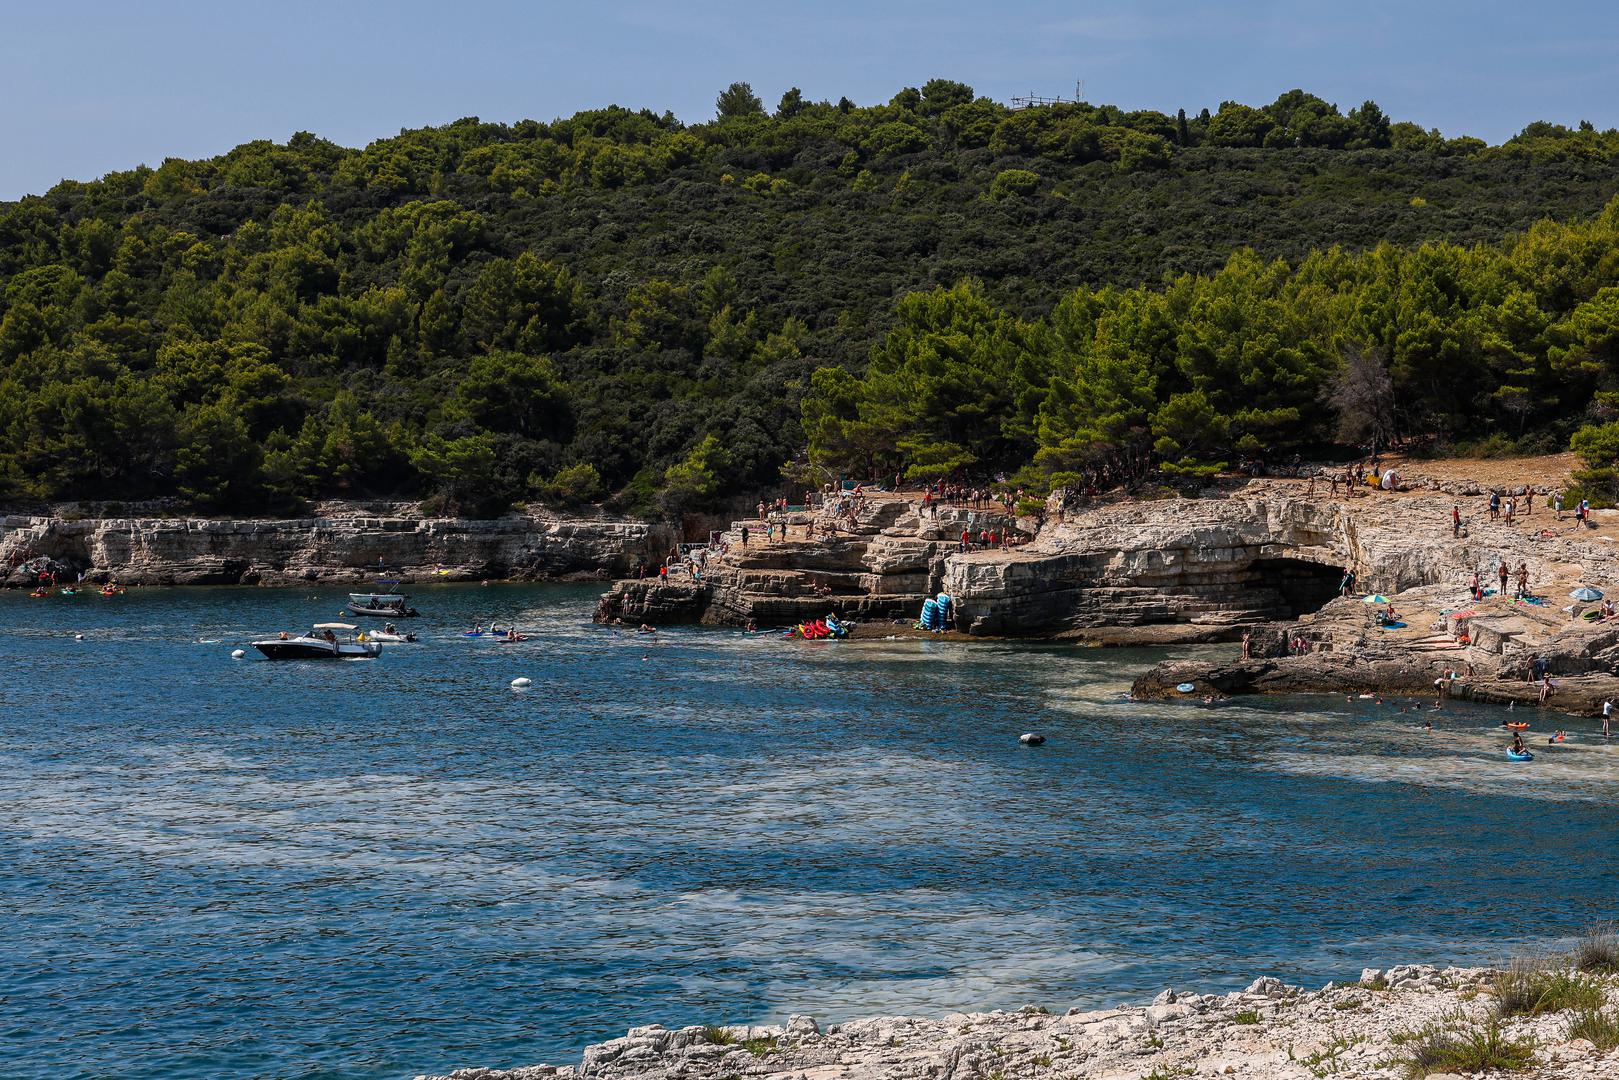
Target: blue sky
<point>95,86</point>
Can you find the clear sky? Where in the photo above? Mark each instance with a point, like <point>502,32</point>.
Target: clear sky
<point>94,86</point>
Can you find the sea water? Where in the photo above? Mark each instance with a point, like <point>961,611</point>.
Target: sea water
<point>213,867</point>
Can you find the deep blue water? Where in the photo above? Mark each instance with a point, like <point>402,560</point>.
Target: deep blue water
<point>229,868</point>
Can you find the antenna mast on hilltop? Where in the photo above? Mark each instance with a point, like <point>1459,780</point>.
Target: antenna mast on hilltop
<point>1031,99</point>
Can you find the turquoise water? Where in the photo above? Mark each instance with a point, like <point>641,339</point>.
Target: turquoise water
<point>228,868</point>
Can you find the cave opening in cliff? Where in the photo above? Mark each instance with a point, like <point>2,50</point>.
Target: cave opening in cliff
<point>1298,585</point>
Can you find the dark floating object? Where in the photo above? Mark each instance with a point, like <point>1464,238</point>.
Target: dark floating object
<point>1029,738</point>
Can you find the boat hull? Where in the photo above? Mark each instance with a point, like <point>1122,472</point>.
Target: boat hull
<point>303,649</point>
<point>384,613</point>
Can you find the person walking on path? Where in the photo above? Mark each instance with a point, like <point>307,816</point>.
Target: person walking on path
<point>1455,521</point>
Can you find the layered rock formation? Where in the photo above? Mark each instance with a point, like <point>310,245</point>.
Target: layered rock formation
<point>345,543</point>
<point>1270,1031</point>
<point>1200,565</point>
<point>879,564</point>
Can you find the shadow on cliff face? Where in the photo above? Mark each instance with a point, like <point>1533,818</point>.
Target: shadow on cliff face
<point>1300,587</point>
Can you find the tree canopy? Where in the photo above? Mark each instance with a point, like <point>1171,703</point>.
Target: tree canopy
<point>617,304</point>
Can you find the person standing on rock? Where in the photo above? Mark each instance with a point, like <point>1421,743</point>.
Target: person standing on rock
<point>1495,505</point>
<point>1557,505</point>
<point>1475,588</point>
<point>1607,713</point>
<point>1545,687</point>
<point>1347,583</point>
<point>1455,521</point>
<point>745,531</point>
<point>1503,573</point>
<point>1523,579</point>
<point>1511,505</point>
<point>1528,501</point>
<point>1247,644</point>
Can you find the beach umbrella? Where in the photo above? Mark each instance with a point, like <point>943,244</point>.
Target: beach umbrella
<point>1376,598</point>
<point>1585,592</point>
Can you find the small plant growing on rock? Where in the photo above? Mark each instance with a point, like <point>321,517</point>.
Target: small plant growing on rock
<point>1246,1016</point>
<point>716,1036</point>
<point>760,1046</point>
<point>1348,1004</point>
<point>1380,982</point>
<point>1166,1072</point>
<point>1599,1028</point>
<point>1462,1045</point>
<point>1598,950</point>
<point>1528,989</point>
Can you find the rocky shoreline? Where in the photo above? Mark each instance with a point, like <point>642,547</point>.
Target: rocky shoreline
<point>1404,1022</point>
<point>1263,562</point>
<point>341,542</point>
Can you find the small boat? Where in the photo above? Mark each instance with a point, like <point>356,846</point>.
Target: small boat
<point>68,590</point>
<point>39,594</point>
<point>111,590</point>
<point>511,638</point>
<point>325,641</point>
<point>1514,755</point>
<point>388,633</point>
<point>382,605</point>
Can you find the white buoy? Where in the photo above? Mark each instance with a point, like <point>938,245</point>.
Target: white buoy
<point>237,654</point>
<point>521,682</point>
<point>1029,738</point>
<point>78,637</point>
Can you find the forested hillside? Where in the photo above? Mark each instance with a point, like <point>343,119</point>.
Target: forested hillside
<point>617,305</point>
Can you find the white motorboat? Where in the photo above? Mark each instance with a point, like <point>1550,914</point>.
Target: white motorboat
<point>390,633</point>
<point>325,641</point>
<point>382,605</point>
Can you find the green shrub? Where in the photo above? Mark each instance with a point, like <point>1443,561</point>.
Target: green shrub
<point>1462,1045</point>
<point>1599,1027</point>
<point>716,1036</point>
<point>760,1046</point>
<point>1527,989</point>
<point>1246,1016</point>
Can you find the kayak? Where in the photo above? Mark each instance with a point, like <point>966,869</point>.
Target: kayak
<point>1517,727</point>
<point>1513,755</point>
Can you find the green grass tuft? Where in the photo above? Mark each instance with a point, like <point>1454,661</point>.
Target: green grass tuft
<point>760,1046</point>
<point>1533,990</point>
<point>1462,1045</point>
<point>1246,1016</point>
<point>716,1036</point>
<point>1599,1027</point>
<point>1598,950</point>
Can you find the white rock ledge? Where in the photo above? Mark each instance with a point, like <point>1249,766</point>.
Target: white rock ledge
<point>1268,1032</point>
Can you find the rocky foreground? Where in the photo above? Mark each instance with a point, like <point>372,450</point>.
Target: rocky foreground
<point>1395,1023</point>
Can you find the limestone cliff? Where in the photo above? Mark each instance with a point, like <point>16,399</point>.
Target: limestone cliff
<point>344,543</point>
<point>1200,567</point>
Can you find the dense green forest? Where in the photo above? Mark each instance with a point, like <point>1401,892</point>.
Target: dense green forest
<point>620,306</point>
